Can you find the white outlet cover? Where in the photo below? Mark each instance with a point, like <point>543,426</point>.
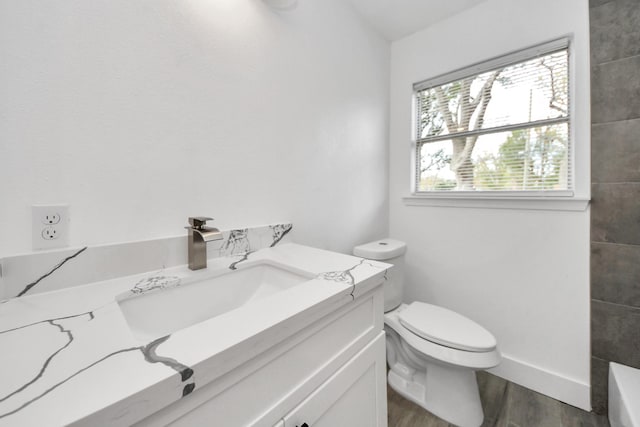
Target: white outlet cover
<point>50,226</point>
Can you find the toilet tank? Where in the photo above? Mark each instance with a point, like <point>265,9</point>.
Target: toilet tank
<point>392,252</point>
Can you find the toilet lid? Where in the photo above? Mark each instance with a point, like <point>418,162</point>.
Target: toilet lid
<point>446,327</point>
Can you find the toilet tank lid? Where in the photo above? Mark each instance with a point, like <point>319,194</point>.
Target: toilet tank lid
<point>381,249</point>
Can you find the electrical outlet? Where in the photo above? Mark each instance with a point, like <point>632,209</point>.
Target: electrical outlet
<point>49,233</point>
<point>50,218</point>
<point>50,226</point>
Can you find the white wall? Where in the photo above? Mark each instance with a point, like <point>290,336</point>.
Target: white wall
<point>141,113</point>
<point>523,274</point>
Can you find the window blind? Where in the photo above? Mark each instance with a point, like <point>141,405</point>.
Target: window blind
<point>502,125</point>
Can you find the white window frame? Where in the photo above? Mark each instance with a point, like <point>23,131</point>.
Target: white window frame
<point>526,199</point>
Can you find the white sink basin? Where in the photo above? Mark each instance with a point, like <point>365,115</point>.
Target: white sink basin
<point>158,312</point>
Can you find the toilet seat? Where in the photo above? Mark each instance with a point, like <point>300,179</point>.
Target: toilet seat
<point>448,355</point>
<point>445,327</point>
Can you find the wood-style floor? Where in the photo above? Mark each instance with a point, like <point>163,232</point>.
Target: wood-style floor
<point>505,405</point>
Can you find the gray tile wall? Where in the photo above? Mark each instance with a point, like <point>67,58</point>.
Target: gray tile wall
<point>615,177</point>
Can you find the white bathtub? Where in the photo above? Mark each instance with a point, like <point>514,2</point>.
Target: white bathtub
<point>624,396</point>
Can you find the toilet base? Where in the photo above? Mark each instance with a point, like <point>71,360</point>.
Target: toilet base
<point>449,393</point>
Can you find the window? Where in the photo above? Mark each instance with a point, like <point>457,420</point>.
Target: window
<point>501,126</point>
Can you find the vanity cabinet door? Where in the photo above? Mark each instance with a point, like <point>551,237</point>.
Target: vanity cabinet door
<point>355,396</point>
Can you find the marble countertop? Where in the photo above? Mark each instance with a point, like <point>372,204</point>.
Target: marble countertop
<point>69,357</point>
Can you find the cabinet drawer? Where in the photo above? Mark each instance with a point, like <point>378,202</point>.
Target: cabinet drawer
<point>354,396</point>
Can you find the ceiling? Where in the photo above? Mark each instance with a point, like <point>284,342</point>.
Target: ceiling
<point>395,19</point>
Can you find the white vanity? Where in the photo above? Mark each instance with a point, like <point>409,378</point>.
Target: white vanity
<point>285,335</point>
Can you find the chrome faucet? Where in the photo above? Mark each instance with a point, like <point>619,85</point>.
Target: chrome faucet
<point>199,235</point>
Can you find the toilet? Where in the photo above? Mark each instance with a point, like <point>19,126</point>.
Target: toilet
<point>432,352</point>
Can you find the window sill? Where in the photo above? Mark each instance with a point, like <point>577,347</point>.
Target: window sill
<point>489,201</point>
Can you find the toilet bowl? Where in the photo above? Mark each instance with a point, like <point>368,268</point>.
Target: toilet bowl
<point>432,352</point>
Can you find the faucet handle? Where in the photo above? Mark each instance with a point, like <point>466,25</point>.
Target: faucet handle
<point>198,222</point>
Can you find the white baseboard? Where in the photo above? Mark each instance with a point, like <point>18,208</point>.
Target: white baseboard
<point>552,384</point>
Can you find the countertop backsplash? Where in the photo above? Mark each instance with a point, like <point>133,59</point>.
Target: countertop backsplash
<point>53,270</point>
